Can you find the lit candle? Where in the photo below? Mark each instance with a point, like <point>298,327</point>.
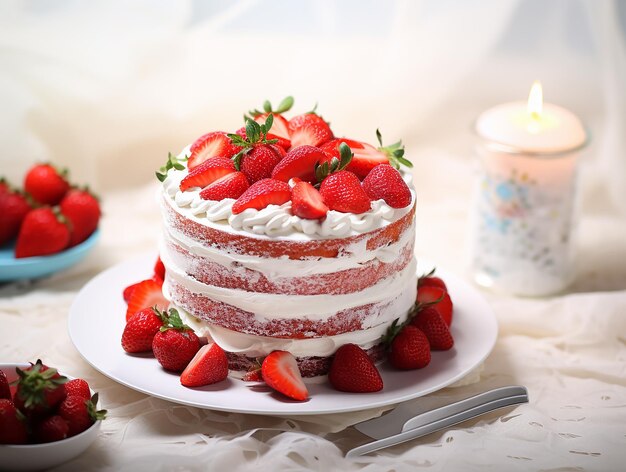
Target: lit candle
<point>522,224</point>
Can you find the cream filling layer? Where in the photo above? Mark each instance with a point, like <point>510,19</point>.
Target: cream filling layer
<point>399,289</point>
<point>276,268</point>
<point>256,346</point>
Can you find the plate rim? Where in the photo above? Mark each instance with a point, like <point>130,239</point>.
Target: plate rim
<point>488,349</point>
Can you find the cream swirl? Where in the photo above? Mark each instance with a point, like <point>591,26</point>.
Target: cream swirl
<point>277,220</point>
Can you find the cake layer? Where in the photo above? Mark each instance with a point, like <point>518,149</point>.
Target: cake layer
<point>294,316</point>
<point>347,273</point>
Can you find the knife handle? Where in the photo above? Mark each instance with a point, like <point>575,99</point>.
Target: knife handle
<point>447,416</point>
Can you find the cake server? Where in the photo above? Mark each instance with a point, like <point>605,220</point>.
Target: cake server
<point>403,424</point>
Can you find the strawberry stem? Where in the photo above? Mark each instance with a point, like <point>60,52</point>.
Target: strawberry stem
<point>394,152</point>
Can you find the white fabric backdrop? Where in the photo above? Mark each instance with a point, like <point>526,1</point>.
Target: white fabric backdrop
<point>108,88</point>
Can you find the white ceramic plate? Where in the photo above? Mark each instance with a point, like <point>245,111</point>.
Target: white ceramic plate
<point>96,322</point>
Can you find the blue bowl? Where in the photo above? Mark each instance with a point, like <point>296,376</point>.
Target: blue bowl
<point>41,266</point>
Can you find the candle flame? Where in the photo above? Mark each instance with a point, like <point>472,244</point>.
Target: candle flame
<point>535,100</point>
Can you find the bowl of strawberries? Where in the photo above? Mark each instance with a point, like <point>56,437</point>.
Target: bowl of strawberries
<point>46,226</point>
<point>46,418</point>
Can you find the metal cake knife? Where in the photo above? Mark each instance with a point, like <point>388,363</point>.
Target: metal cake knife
<point>402,424</point>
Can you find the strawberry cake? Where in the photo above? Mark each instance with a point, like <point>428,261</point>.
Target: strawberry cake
<point>282,237</point>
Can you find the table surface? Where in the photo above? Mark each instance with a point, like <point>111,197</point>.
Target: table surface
<point>568,350</point>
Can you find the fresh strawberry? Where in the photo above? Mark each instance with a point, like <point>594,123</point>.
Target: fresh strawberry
<point>306,201</point>
<point>280,125</point>
<point>365,157</point>
<point>175,344</point>
<point>280,371</point>
<point>215,144</point>
<point>128,291</point>
<point>259,162</point>
<point>208,366</point>
<point>331,148</point>
<point>310,129</point>
<point>438,299</point>
<point>409,349</point>
<point>5,390</point>
<point>230,186</point>
<point>208,172</point>
<point>39,389</point>
<point>46,184</point>
<point>4,186</point>
<point>280,129</point>
<point>300,162</point>
<point>53,428</point>
<point>12,424</point>
<point>140,330</point>
<point>384,182</point>
<point>146,294</point>
<point>44,231</point>
<point>283,143</point>
<point>14,206</point>
<point>253,375</point>
<point>82,210</point>
<point>430,280</point>
<point>261,194</point>
<point>434,327</point>
<point>159,269</point>
<point>79,413</point>
<point>342,191</point>
<point>353,371</point>
<point>78,387</point>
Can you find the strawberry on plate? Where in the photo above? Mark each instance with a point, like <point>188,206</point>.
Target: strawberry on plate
<point>208,366</point>
<point>39,389</point>
<point>128,291</point>
<point>214,144</point>
<point>306,201</point>
<point>280,372</point>
<point>79,413</point>
<point>438,299</point>
<point>232,185</point>
<point>14,206</point>
<point>281,125</point>
<point>46,184</point>
<point>78,387</point>
<point>44,231</point>
<point>310,129</point>
<point>408,347</point>
<point>147,293</point>
<point>299,162</point>
<point>175,344</point>
<point>159,269</point>
<point>140,330</point>
<point>82,210</point>
<point>353,371</point>
<point>12,425</point>
<point>208,172</point>
<point>430,280</point>
<point>430,322</point>
<point>261,194</point>
<point>342,191</point>
<point>384,182</point>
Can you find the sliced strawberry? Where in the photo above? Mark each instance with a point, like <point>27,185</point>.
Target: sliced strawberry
<point>280,371</point>
<point>310,129</point>
<point>259,162</point>
<point>215,144</point>
<point>159,268</point>
<point>128,291</point>
<point>365,159</point>
<point>146,294</point>
<point>430,322</point>
<point>331,148</point>
<point>280,127</point>
<point>230,186</point>
<point>306,201</point>
<point>386,183</point>
<point>208,366</point>
<point>438,299</point>
<point>261,194</point>
<point>207,172</point>
<point>253,375</point>
<point>342,191</point>
<point>299,162</point>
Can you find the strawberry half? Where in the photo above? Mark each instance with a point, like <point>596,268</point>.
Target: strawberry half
<point>310,129</point>
<point>231,185</point>
<point>159,269</point>
<point>365,157</point>
<point>261,194</point>
<point>306,202</point>
<point>208,366</point>
<point>146,294</point>
<point>384,182</point>
<point>299,162</point>
<point>353,371</point>
<point>280,371</point>
<point>280,128</point>
<point>207,172</point>
<point>438,299</point>
<point>215,144</point>
<point>342,191</point>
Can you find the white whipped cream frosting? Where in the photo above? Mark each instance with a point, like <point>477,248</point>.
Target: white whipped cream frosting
<point>277,220</point>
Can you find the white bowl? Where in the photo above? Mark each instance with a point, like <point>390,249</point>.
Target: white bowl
<point>46,455</point>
